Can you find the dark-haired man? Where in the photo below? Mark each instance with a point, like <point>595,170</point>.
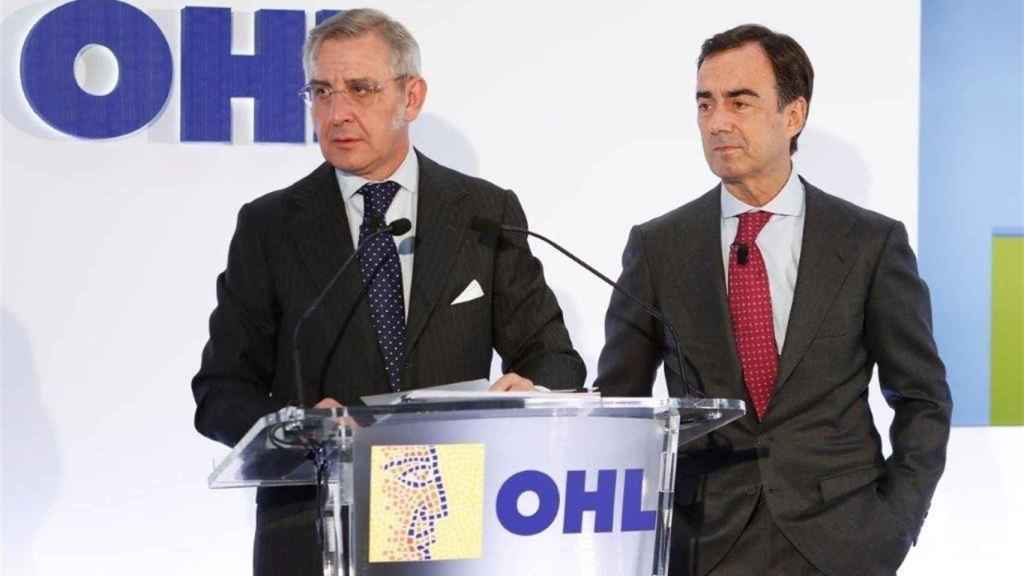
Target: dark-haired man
<point>386,325</point>
<point>787,297</point>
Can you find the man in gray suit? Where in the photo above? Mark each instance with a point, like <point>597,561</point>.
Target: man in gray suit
<point>385,325</point>
<point>789,298</point>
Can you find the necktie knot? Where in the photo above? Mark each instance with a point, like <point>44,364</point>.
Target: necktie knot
<point>378,196</point>
<point>751,224</point>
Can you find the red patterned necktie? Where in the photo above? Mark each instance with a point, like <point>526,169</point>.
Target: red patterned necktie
<point>750,307</point>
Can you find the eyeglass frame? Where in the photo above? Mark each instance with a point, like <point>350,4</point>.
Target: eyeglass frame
<point>378,87</point>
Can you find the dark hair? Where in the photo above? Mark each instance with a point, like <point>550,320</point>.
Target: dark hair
<point>794,75</point>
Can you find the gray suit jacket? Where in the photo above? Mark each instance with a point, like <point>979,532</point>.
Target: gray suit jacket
<point>816,458</point>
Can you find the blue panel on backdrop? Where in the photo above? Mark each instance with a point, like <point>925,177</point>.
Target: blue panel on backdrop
<point>322,15</point>
<point>211,75</point>
<point>972,177</point>
<point>144,66</point>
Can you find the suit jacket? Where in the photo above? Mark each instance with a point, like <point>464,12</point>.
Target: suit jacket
<point>286,247</point>
<point>289,243</point>
<point>816,459</point>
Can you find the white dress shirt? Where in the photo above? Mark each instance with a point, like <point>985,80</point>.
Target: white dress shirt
<point>779,243</point>
<point>403,206</point>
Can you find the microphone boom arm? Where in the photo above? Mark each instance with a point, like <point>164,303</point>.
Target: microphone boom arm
<point>396,228</point>
<point>647,307</point>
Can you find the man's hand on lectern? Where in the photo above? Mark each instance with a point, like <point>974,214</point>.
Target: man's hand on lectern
<point>346,421</point>
<point>512,382</point>
<point>328,403</point>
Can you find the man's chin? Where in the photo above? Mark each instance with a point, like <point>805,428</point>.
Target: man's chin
<point>726,172</point>
<point>346,163</point>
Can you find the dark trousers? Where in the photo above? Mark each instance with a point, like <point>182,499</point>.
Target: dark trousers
<point>286,539</point>
<point>761,550</point>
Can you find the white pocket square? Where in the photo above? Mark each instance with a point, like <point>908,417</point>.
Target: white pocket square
<point>471,292</point>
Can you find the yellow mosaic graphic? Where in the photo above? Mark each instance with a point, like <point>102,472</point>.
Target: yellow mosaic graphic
<point>426,502</point>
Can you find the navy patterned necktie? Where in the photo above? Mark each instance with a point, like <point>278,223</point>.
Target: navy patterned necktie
<point>382,277</point>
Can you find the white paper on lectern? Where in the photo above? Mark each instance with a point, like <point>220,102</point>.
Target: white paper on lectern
<point>467,390</point>
<point>478,385</point>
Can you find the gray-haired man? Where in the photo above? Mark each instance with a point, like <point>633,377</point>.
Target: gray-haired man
<point>386,325</point>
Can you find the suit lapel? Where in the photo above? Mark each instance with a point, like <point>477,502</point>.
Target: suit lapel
<point>324,241</point>
<point>439,230</point>
<point>322,233</point>
<point>826,258</point>
<point>707,329</point>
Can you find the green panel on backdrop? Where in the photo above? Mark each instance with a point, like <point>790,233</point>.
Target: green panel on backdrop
<point>1007,330</point>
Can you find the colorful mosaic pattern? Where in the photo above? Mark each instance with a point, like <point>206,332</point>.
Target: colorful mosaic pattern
<point>426,502</point>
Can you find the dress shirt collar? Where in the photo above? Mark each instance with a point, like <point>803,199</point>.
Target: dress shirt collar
<point>407,176</point>
<point>789,201</point>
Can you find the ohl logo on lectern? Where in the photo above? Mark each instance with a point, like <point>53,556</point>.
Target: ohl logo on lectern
<point>210,74</point>
<point>601,501</point>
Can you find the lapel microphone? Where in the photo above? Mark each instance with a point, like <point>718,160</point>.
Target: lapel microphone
<point>490,231</point>
<point>742,254</point>
<point>396,228</point>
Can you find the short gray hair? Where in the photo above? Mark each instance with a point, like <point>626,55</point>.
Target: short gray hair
<point>348,24</point>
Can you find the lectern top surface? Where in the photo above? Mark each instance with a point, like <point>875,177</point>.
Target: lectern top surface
<point>278,449</point>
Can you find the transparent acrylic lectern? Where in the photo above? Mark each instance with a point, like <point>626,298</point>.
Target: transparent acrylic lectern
<point>570,484</point>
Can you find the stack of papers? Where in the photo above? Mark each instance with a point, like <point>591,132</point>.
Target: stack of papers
<point>471,390</point>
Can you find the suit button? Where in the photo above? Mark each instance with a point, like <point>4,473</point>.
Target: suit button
<point>763,447</point>
<point>751,491</point>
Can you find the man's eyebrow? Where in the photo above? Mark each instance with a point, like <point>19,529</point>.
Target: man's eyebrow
<point>730,94</point>
<point>319,82</point>
<point>742,92</point>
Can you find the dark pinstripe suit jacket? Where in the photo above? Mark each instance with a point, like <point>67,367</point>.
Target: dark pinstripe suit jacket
<point>289,243</point>
<point>816,458</point>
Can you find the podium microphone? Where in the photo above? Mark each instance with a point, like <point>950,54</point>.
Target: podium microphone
<point>396,228</point>
<point>490,230</point>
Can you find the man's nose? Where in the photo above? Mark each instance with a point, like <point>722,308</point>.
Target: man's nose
<point>341,108</point>
<point>719,120</point>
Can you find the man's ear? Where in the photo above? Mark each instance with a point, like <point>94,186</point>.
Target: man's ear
<point>415,95</point>
<point>796,116</point>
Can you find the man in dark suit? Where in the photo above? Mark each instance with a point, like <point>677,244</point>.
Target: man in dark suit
<point>384,326</point>
<point>787,297</point>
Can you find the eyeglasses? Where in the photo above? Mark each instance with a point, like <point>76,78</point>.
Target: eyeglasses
<point>359,92</point>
